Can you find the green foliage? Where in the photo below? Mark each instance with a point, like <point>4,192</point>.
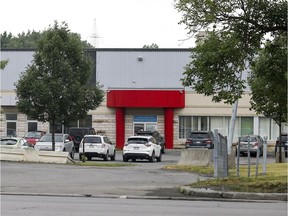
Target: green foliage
<point>216,68</point>
<point>268,81</point>
<point>275,180</point>
<point>238,34</point>
<point>152,46</point>
<point>55,88</point>
<point>3,64</point>
<point>27,40</point>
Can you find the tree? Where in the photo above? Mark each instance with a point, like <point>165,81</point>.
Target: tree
<point>55,87</point>
<point>243,24</point>
<point>268,82</point>
<point>236,32</point>
<point>27,40</point>
<point>152,46</point>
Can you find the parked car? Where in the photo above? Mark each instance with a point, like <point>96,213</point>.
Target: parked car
<point>77,134</point>
<point>13,143</point>
<point>200,139</point>
<point>33,136</point>
<point>159,139</point>
<point>256,142</point>
<point>97,146</point>
<point>283,142</point>
<point>63,142</point>
<point>142,147</point>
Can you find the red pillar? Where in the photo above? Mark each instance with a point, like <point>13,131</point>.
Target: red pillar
<point>120,127</point>
<point>169,115</point>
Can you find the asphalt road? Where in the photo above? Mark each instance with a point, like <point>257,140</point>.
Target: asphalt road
<point>46,206</point>
<point>143,179</point>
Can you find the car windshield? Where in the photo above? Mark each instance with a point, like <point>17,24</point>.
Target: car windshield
<point>199,135</point>
<point>137,140</point>
<point>48,138</point>
<point>8,142</point>
<point>92,140</point>
<point>33,134</point>
<point>245,139</point>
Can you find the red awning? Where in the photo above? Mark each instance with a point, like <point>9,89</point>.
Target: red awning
<point>146,98</point>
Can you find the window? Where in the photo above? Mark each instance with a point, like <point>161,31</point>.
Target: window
<point>246,126</point>
<point>243,125</point>
<point>32,126</point>
<point>11,124</point>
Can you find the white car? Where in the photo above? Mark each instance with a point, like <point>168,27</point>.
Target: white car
<point>63,142</point>
<point>97,146</point>
<point>142,147</point>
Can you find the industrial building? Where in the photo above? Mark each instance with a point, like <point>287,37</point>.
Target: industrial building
<point>143,91</point>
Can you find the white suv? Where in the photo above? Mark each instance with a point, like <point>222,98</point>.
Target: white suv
<point>142,147</point>
<point>97,146</point>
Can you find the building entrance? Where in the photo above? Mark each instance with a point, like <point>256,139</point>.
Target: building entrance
<point>144,123</point>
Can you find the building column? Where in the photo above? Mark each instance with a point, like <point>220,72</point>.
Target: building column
<point>169,131</point>
<point>120,127</point>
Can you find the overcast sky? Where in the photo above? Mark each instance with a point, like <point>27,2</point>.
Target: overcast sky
<point>119,23</point>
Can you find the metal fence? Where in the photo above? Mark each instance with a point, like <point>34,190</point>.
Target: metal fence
<point>220,155</point>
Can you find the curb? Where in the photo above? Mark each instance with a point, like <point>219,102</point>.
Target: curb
<point>205,192</point>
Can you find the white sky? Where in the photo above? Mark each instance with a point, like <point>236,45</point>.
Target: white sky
<point>119,23</point>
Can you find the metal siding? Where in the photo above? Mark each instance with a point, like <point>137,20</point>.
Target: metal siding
<point>122,69</point>
<point>18,62</point>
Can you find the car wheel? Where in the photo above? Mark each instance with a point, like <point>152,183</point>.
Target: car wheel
<point>125,159</point>
<point>159,159</point>
<point>113,156</point>
<point>89,158</point>
<point>163,150</point>
<point>152,158</point>
<point>105,157</point>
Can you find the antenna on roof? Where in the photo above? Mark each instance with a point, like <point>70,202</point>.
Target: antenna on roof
<point>95,35</point>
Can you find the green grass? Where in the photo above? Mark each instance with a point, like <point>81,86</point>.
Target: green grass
<point>275,180</point>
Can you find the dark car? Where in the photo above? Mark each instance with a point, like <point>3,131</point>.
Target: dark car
<point>283,142</point>
<point>77,134</point>
<point>200,139</point>
<point>157,136</point>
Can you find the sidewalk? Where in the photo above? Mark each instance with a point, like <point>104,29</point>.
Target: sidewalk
<point>206,192</point>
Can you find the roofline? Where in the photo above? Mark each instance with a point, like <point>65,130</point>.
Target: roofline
<point>113,49</point>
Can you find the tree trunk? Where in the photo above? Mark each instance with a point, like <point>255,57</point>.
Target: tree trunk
<point>53,135</point>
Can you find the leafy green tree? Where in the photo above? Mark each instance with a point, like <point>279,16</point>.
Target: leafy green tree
<point>55,87</point>
<point>152,46</point>
<point>236,26</point>
<point>27,40</point>
<point>268,82</point>
<point>236,31</point>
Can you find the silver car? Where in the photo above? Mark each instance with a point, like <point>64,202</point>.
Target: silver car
<point>63,142</point>
<point>255,141</point>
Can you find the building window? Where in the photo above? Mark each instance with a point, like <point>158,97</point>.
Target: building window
<point>243,125</point>
<point>60,128</point>
<point>11,124</point>
<point>32,126</point>
<point>246,126</point>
